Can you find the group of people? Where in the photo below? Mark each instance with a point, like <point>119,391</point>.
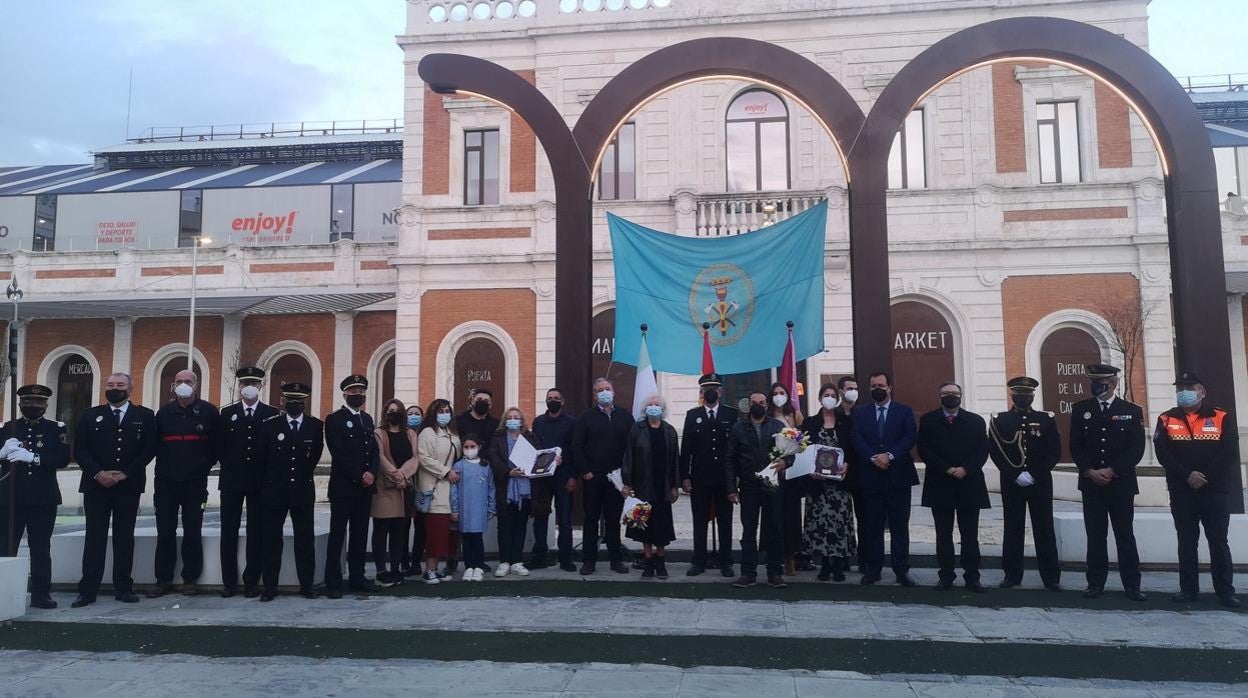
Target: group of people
<point>430,481</point>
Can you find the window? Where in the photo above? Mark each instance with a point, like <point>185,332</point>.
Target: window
<point>1057,125</point>
<point>342,212</point>
<point>1224,159</point>
<point>907,161</point>
<point>190,217</point>
<point>45,223</point>
<point>480,167</point>
<point>757,130</point>
<point>617,176</point>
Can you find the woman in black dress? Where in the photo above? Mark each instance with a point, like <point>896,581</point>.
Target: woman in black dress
<point>828,531</point>
<point>649,472</point>
<point>784,408</point>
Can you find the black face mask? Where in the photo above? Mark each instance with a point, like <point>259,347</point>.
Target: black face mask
<point>33,412</point>
<point>879,394</point>
<point>115,396</point>
<point>554,405</point>
<point>481,408</point>
<point>294,408</point>
<point>757,411</point>
<point>950,402</point>
<point>1023,401</point>
<point>394,419</point>
<point>711,396</point>
<point>356,401</point>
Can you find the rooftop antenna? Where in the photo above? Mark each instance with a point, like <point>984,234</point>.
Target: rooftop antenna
<point>129,96</point>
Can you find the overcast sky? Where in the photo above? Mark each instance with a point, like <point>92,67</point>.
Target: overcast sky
<point>67,63</point>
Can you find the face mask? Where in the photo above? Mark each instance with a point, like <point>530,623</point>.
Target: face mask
<point>950,402</point>
<point>711,396</point>
<point>1023,401</point>
<point>444,418</point>
<point>33,412</point>
<point>471,453</point>
<point>851,396</point>
<point>879,394</point>
<point>654,411</point>
<point>394,419</point>
<point>413,421</point>
<point>294,408</point>
<point>1186,398</point>
<point>829,402</point>
<point>356,401</point>
<point>250,392</point>
<point>1099,389</point>
<point>115,396</point>
<point>183,391</point>
<point>554,405</point>
<point>606,397</point>
<point>481,408</point>
<point>513,425</point>
<point>780,400</point>
<point>757,411</point>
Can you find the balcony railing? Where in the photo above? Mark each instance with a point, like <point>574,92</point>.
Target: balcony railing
<point>733,214</point>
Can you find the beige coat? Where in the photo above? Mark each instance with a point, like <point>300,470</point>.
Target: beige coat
<point>437,450</point>
<point>388,501</point>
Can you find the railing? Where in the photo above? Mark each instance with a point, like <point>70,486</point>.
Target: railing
<point>733,214</point>
<point>1222,83</point>
<point>233,132</point>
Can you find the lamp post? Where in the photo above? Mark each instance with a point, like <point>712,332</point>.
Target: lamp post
<point>15,295</point>
<point>197,241</point>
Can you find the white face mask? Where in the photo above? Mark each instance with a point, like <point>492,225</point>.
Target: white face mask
<point>780,400</point>
<point>471,453</point>
<point>829,402</point>
<point>183,390</point>
<point>851,395</point>
<point>250,392</point>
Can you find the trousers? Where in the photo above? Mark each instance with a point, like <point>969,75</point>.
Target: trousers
<point>36,523</point>
<point>968,531</point>
<point>1099,511</point>
<point>701,499</point>
<point>347,516</point>
<point>171,499</point>
<point>1191,511</point>
<point>232,507</point>
<point>889,507</point>
<point>765,507</point>
<point>603,504</point>
<point>101,507</point>
<point>301,522</point>
<point>1014,512</point>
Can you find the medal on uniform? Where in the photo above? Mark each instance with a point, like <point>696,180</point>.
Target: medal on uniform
<point>234,418</point>
<point>281,436</point>
<point>99,418</point>
<point>1087,415</point>
<point>699,421</point>
<point>38,444</point>
<point>349,424</point>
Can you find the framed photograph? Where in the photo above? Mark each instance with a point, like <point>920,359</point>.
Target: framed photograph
<point>830,462</point>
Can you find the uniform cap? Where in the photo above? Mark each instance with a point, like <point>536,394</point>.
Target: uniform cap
<point>1102,371</point>
<point>296,390</point>
<point>1025,385</point>
<point>710,379</point>
<point>251,372</point>
<point>1188,378</point>
<point>354,380</point>
<point>35,390</point>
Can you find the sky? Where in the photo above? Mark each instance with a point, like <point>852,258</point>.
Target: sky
<point>67,64</point>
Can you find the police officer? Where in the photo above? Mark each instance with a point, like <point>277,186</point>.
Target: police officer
<point>188,444</point>
<point>702,451</point>
<point>1025,446</point>
<point>113,444</point>
<point>1198,445</point>
<point>34,449</point>
<point>292,442</point>
<point>1106,443</point>
<point>353,450</point>
<point>241,476</point>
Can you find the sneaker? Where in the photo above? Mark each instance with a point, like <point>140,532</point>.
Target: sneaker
<point>745,581</point>
<point>477,574</point>
<point>469,573</point>
<point>502,569</point>
<point>520,569</point>
<point>431,578</point>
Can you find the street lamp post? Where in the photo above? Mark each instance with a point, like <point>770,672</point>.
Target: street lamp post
<point>15,295</point>
<point>198,240</point>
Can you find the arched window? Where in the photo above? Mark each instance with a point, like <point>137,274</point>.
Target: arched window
<point>164,389</point>
<point>75,382</point>
<point>923,354</point>
<point>479,363</point>
<point>1063,377</point>
<point>757,141</point>
<point>289,368</point>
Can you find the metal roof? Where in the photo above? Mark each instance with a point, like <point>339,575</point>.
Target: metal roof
<point>1229,134</point>
<point>287,301</point>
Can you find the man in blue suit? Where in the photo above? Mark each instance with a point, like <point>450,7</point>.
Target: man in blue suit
<point>883,434</point>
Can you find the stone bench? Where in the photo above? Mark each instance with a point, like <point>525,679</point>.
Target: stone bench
<point>13,574</point>
<point>1154,536</point>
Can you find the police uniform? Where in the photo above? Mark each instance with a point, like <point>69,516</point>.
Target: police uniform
<point>241,477</point>
<point>1203,440</point>
<point>353,450</point>
<point>1108,432</point>
<point>291,446</point>
<point>117,437</point>
<point>35,448</point>
<point>1025,441</point>
<point>703,448</point>
<point>188,444</point>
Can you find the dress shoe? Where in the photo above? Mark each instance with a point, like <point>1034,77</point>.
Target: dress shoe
<point>619,568</point>
<point>588,568</point>
<point>745,581</point>
<point>944,585</point>
<point>267,597</point>
<point>976,588</point>
<point>825,571</point>
<point>660,568</point>
<point>365,585</point>
<point>1135,595</point>
<point>128,597</point>
<point>251,591</point>
<point>804,566</point>
<point>776,582</point>
<point>190,589</point>
<point>1093,592</point>
<point>726,572</point>
<point>229,592</point>
<point>869,578</point>
<point>161,589</point>
<point>647,571</point>
<point>337,593</point>
<point>1229,601</point>
<point>567,566</point>
<point>1184,597</point>
<point>1054,587</point>
<point>43,601</point>
<point>906,580</point>
<point>838,576</point>
<point>82,601</point>
<point>1008,583</point>
<point>310,594</point>
<point>695,570</point>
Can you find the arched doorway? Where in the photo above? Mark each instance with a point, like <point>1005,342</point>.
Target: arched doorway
<point>923,354</point>
<point>289,368</point>
<point>479,363</point>
<point>1063,378</point>
<point>164,389</point>
<point>75,383</point>
<point>622,376</point>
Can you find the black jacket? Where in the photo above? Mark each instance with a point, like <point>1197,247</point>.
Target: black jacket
<point>811,427</point>
<point>552,432</point>
<point>942,446</point>
<point>101,444</point>
<point>598,440</point>
<point>704,445</point>
<point>288,461</point>
<point>36,483</point>
<point>1040,441</point>
<point>467,425</point>
<point>1181,454</point>
<point>242,451</point>
<point>188,441</point>
<point>637,470</point>
<point>353,450</point>
<point>1114,440</point>
<point>748,454</point>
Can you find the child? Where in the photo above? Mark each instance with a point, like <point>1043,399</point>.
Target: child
<point>472,506</point>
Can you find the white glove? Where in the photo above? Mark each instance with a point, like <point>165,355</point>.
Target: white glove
<point>21,455</point>
<point>9,447</point>
<point>1025,480</point>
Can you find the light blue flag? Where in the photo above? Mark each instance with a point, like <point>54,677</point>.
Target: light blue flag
<point>746,286</point>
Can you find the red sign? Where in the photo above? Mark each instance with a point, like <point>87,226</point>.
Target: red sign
<point>262,228</point>
<point>115,232</point>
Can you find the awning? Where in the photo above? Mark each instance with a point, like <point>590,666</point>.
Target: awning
<point>289,301</point>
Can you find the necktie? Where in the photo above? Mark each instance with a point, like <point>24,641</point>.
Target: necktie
<point>879,421</point>
<point>248,413</point>
<point>1104,407</point>
<point>117,414</point>
<point>712,415</point>
<point>950,418</point>
<point>294,425</point>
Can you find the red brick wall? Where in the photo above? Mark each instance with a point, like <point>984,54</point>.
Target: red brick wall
<point>523,149</point>
<point>436,167</point>
<point>151,334</point>
<point>316,330</point>
<point>45,336</point>
<point>478,233</point>
<point>1113,128</point>
<point>371,330</point>
<point>1030,215</point>
<point>1007,117</point>
<point>75,273</point>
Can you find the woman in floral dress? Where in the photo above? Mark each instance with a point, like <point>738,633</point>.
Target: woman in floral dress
<point>828,531</point>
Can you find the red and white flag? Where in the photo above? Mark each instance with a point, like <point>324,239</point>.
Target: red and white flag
<point>708,361</point>
<point>787,373</point>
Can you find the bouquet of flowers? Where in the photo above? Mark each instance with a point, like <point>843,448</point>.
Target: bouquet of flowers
<point>789,442</point>
<point>636,513</point>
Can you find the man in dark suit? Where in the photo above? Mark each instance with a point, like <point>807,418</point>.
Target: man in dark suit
<point>598,443</point>
<point>883,434</point>
<point>953,445</point>
<point>113,444</point>
<point>749,453</point>
<point>554,427</point>
<point>241,477</point>
<point>291,444</point>
<point>1025,447</point>
<point>355,460</point>
<point>1106,443</point>
<point>703,447</point>
<point>34,449</point>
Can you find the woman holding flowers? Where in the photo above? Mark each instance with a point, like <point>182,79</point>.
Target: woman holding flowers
<point>828,532</point>
<point>649,471</point>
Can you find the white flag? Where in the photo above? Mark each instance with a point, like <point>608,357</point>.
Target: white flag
<point>646,385</point>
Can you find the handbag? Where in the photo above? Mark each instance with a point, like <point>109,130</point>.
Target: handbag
<point>424,501</point>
